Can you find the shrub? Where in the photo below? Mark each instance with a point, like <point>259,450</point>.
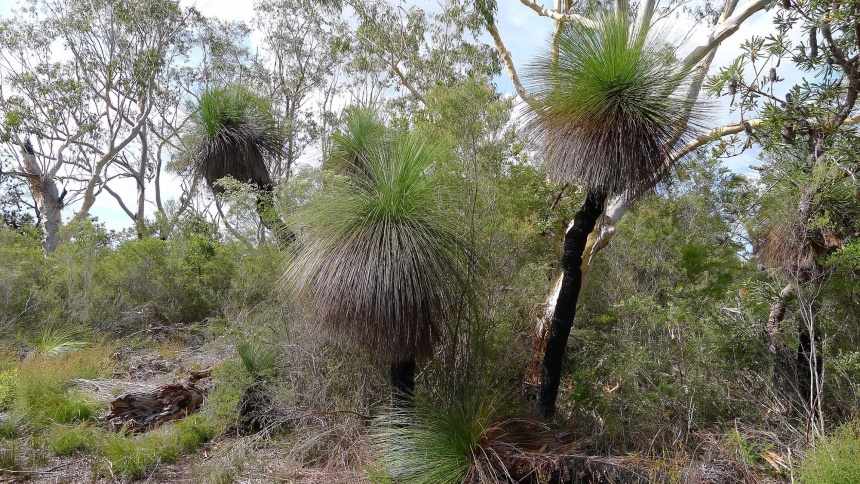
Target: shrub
<point>836,459</point>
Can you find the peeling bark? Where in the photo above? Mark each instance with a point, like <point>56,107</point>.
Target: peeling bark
<point>48,200</point>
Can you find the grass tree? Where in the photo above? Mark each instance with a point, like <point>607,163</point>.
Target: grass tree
<point>378,259</point>
<point>608,110</point>
<point>364,132</point>
<point>234,133</point>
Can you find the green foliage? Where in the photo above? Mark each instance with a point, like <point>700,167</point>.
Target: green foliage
<point>651,355</point>
<point>607,108</point>
<point>56,341</point>
<point>42,387</point>
<point>258,358</point>
<point>69,440</point>
<point>433,444</point>
<point>363,134</point>
<point>835,459</point>
<point>132,456</point>
<point>7,381</point>
<point>231,382</point>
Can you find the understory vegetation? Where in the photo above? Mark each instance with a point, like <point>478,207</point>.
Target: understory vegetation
<point>377,266</point>
<point>653,371</point>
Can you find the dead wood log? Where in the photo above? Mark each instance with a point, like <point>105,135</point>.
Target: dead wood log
<point>142,411</point>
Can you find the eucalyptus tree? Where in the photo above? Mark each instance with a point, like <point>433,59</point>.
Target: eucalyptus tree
<point>302,55</point>
<point>378,258</point>
<point>233,133</point>
<point>80,80</point>
<point>608,111</point>
<point>405,45</point>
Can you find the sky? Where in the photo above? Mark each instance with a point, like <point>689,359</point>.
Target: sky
<point>524,33</point>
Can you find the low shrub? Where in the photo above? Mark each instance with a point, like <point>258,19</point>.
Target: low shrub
<point>836,459</point>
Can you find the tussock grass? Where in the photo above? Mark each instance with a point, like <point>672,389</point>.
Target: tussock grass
<point>258,358</point>
<point>433,444</point>
<point>66,440</point>
<point>131,456</point>
<point>42,388</point>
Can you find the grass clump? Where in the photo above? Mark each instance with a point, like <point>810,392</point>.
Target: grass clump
<point>258,359</point>
<point>66,440</point>
<point>7,380</point>
<point>42,387</point>
<point>56,341</point>
<point>433,444</point>
<point>131,456</point>
<point>835,459</point>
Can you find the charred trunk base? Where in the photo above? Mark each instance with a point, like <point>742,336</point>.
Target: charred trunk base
<point>402,383</point>
<point>575,241</point>
<point>254,408</point>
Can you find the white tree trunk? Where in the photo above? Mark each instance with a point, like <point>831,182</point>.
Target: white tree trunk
<point>48,200</point>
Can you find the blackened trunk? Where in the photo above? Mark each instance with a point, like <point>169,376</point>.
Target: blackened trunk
<point>575,241</point>
<point>271,220</point>
<point>402,383</point>
<point>807,385</point>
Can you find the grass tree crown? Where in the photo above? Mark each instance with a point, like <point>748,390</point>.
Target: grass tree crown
<point>233,132</point>
<point>608,108</point>
<point>364,133</point>
<point>378,259</point>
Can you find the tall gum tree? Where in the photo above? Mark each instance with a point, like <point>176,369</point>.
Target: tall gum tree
<point>72,115</point>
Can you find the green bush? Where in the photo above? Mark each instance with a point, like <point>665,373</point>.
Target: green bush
<point>836,459</point>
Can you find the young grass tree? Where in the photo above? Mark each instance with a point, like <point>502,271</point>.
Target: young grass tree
<point>378,258</point>
<point>608,107</point>
<point>233,133</point>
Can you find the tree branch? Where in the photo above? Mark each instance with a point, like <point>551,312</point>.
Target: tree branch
<point>121,203</point>
<point>725,30</point>
<point>558,16</point>
<point>407,84</point>
<point>509,64</point>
